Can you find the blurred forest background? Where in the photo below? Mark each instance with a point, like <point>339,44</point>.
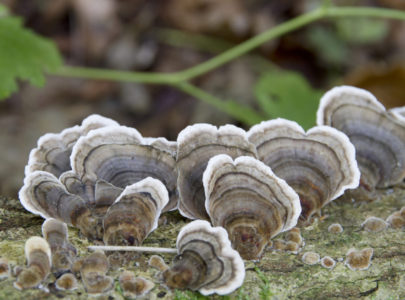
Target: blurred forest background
<point>283,78</point>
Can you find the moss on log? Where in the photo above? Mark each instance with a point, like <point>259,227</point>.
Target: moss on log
<point>278,275</point>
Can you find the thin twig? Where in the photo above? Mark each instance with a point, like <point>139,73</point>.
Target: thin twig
<point>133,248</point>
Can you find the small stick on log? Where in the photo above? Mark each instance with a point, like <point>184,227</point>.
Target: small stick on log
<point>133,248</point>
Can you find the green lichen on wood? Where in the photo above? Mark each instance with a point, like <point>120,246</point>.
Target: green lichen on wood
<point>287,277</point>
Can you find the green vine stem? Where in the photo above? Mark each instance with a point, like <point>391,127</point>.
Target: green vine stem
<point>240,112</point>
<point>180,79</point>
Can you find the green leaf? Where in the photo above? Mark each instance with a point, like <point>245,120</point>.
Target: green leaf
<point>24,55</point>
<point>286,94</point>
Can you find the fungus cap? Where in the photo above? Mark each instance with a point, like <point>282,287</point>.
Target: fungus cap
<point>328,262</point>
<point>158,263</point>
<point>4,268</point>
<point>93,271</point>
<point>319,164</point>
<point>51,226</point>
<point>53,149</point>
<point>66,282</point>
<point>38,255</point>
<point>378,135</point>
<point>396,220</point>
<point>63,252</point>
<point>135,213</point>
<point>205,261</point>
<point>134,286</point>
<point>43,194</point>
<point>272,205</point>
<point>196,145</point>
<point>359,259</point>
<point>120,156</point>
<point>374,224</point>
<point>335,228</point>
<point>311,258</point>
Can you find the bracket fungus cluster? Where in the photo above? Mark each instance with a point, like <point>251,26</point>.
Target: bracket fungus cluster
<point>113,184</point>
<point>105,158</point>
<point>377,134</point>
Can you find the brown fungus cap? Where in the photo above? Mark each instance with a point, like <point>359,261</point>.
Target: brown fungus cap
<point>38,255</point>
<point>335,228</point>
<point>292,247</point>
<point>396,220</point>
<point>295,237</point>
<point>279,244</point>
<point>63,252</point>
<point>374,224</point>
<point>4,268</point>
<point>318,164</point>
<point>328,262</point>
<point>67,281</point>
<point>310,258</point>
<point>115,157</point>
<point>158,263</point>
<point>359,259</point>
<point>378,135</point>
<point>206,261</point>
<point>196,145</point>
<point>135,213</point>
<point>249,201</point>
<point>93,272</point>
<point>134,286</point>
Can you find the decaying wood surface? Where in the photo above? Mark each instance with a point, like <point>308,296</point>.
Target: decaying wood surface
<point>285,275</point>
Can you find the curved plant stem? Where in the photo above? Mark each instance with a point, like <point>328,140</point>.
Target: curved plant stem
<point>240,112</point>
<point>180,79</point>
<point>249,45</point>
<point>115,75</point>
<point>234,52</point>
